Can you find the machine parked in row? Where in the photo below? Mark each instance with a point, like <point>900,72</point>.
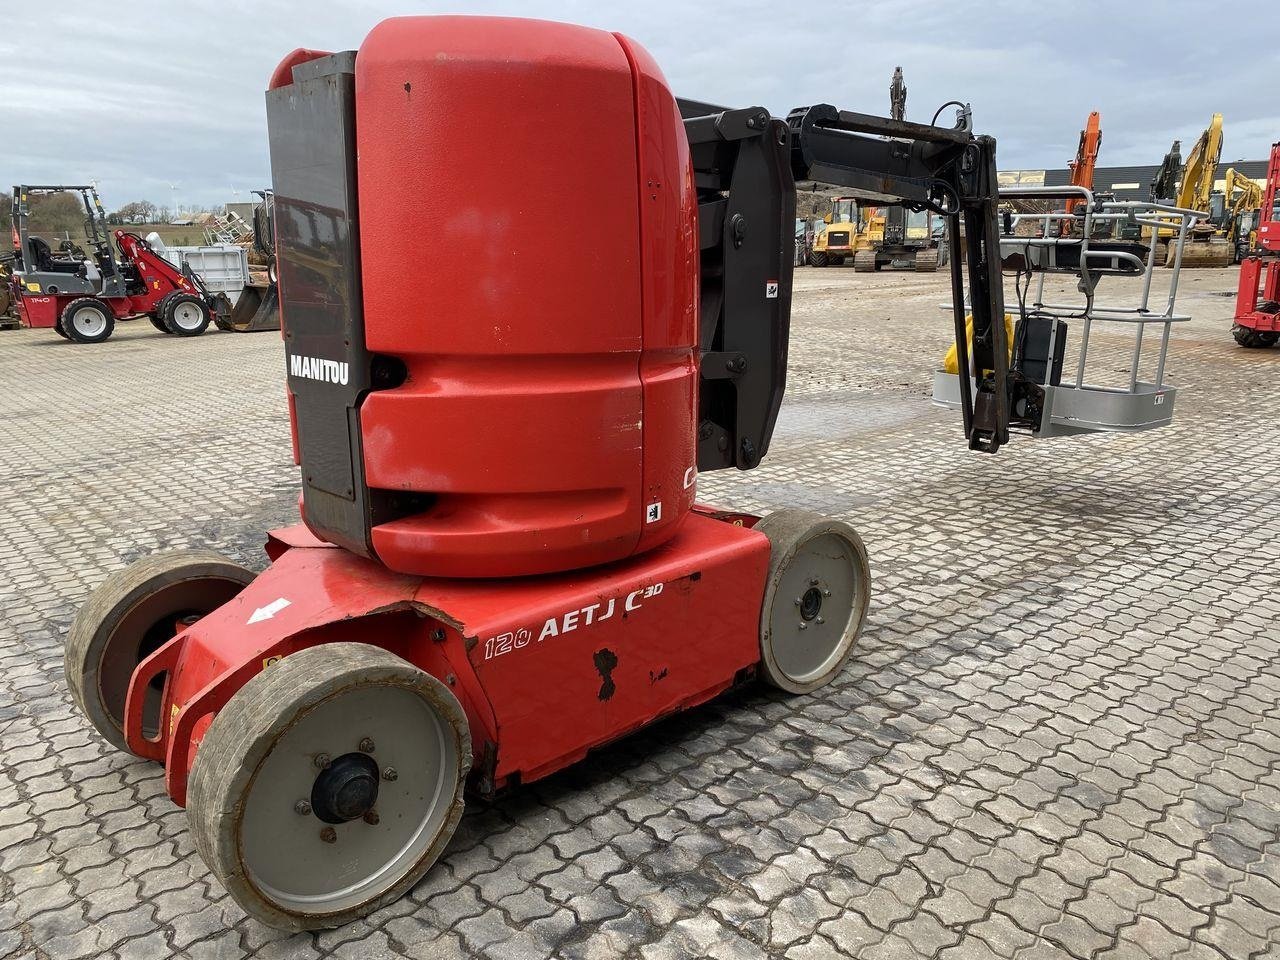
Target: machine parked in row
<point>1257,317</point>
<point>82,294</point>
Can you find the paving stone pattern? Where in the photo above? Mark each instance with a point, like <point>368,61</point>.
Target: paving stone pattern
<point>1059,736</point>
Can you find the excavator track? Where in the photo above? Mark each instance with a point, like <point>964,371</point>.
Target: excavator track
<point>927,260</point>
<point>864,261</point>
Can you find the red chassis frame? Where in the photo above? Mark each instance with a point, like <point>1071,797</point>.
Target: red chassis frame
<point>41,310</point>
<point>1262,273</point>
<point>546,668</point>
<point>1259,281</point>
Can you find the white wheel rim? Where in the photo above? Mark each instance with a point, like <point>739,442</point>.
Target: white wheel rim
<point>89,321</point>
<point>284,853</point>
<point>187,315</point>
<point>817,598</point>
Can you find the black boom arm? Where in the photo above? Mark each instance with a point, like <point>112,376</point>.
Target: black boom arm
<point>746,164</point>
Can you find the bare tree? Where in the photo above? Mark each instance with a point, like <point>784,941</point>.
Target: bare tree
<point>138,211</point>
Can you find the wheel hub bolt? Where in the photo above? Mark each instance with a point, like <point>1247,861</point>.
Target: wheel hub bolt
<point>803,625</point>
<point>371,817</point>
<point>366,745</point>
<point>390,774</point>
<point>329,835</point>
<point>322,761</point>
<point>302,808</point>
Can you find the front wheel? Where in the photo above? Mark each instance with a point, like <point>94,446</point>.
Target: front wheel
<point>185,314</point>
<point>816,595</point>
<point>88,320</point>
<point>328,785</point>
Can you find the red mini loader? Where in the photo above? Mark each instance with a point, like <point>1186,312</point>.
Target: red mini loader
<point>1257,319</point>
<point>501,565</point>
<point>82,297</point>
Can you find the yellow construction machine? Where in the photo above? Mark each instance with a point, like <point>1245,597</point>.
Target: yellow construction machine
<point>848,228</point>
<point>1240,212</point>
<point>1208,245</point>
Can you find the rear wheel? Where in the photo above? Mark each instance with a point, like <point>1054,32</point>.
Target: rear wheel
<point>87,320</point>
<point>57,328</point>
<point>329,784</point>
<point>185,314</point>
<point>817,258</point>
<point>156,316</point>
<point>1248,337</point>
<point>128,617</point>
<point>816,595</point>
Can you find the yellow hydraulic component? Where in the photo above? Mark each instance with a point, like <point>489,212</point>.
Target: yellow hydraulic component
<point>951,362</point>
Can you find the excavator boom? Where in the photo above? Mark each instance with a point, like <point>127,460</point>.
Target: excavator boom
<point>1086,160</point>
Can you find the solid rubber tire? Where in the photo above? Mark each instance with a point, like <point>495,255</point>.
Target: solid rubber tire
<point>240,739</point>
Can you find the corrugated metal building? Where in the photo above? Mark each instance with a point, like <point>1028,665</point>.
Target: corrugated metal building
<point>1127,183</point>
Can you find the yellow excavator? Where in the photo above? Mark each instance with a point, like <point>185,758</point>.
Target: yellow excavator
<point>1207,246</point>
<point>903,238</point>
<point>1240,212</point>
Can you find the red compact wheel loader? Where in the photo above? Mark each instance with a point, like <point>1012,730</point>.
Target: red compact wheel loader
<point>502,564</point>
<point>1257,319</point>
<point>82,297</point>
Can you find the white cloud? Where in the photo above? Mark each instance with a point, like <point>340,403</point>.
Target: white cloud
<point>169,92</point>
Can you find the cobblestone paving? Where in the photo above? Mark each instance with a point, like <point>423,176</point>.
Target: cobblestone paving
<point>1059,736</point>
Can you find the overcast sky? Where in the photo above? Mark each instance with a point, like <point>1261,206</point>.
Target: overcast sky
<point>148,94</point>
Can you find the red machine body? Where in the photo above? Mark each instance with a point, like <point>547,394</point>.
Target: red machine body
<point>546,414</point>
<point>156,278</point>
<point>1257,316</point>
<point>546,668</point>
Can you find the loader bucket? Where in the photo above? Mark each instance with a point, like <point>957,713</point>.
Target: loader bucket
<point>258,308</point>
<point>1203,253</point>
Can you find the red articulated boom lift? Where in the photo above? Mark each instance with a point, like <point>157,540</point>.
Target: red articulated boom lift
<point>81,299</point>
<point>502,564</point>
<point>1257,319</point>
